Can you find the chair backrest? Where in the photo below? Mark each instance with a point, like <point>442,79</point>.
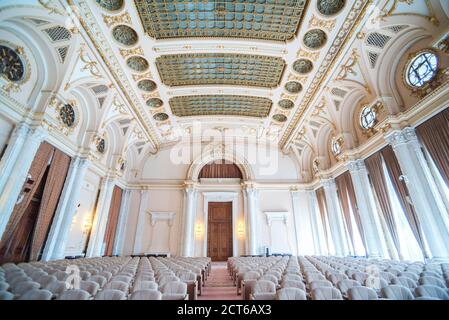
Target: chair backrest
<point>430,291</point>
<point>336,277</point>
<point>174,287</point>
<point>4,286</point>
<point>56,287</point>
<point>25,286</point>
<point>270,277</point>
<point>375,283</point>
<point>145,285</point>
<point>110,294</point>
<point>146,295</point>
<point>320,284</point>
<point>326,293</point>
<point>432,281</point>
<point>362,293</point>
<point>75,294</point>
<point>359,276</point>
<point>293,284</point>
<point>36,294</point>
<point>5,295</point>
<point>98,279</point>
<point>345,285</point>
<point>117,285</point>
<point>405,281</point>
<point>168,278</point>
<point>290,294</point>
<point>264,286</point>
<point>251,275</point>
<point>293,277</point>
<point>411,275</point>
<point>396,292</point>
<point>90,286</point>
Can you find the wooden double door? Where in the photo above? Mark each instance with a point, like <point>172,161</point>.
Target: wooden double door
<point>219,231</point>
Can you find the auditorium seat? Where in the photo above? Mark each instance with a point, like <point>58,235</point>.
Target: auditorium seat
<point>290,294</point>
<point>75,294</point>
<point>362,293</point>
<point>146,295</point>
<point>326,293</point>
<point>36,294</point>
<point>396,292</point>
<point>110,294</point>
<point>263,290</point>
<point>431,291</point>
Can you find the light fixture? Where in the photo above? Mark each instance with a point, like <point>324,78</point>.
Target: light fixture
<point>198,230</point>
<point>241,230</point>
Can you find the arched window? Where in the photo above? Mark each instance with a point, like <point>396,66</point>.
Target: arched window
<point>220,169</point>
<point>368,118</point>
<point>336,146</point>
<point>422,69</point>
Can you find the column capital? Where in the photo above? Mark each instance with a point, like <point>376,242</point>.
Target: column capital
<point>404,136</point>
<point>249,186</point>
<point>356,165</point>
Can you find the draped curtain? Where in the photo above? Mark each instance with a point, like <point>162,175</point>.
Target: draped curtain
<point>434,134</point>
<point>35,175</point>
<point>348,201</point>
<point>321,199</point>
<point>395,172</point>
<point>374,166</point>
<point>57,174</point>
<point>111,227</point>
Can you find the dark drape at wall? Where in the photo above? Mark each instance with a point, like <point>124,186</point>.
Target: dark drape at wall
<point>378,180</point>
<point>111,227</point>
<point>57,174</point>
<point>35,175</point>
<point>321,199</point>
<point>401,190</point>
<point>434,135</point>
<point>348,201</point>
<point>220,169</point>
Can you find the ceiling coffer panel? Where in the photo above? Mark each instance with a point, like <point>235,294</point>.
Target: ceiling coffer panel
<point>220,68</point>
<point>220,105</point>
<point>276,20</point>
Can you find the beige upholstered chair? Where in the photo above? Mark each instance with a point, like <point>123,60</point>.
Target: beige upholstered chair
<point>146,295</point>
<point>4,286</point>
<point>36,294</point>
<point>405,281</point>
<point>74,295</point>
<point>56,287</point>
<point>326,293</point>
<point>144,285</point>
<point>396,292</point>
<point>345,285</point>
<point>362,293</point>
<point>168,278</point>
<point>22,287</point>
<point>290,294</point>
<point>110,294</point>
<point>46,280</point>
<point>248,282</point>
<point>430,291</point>
<point>98,279</point>
<point>264,290</point>
<point>293,277</point>
<point>320,284</point>
<point>118,285</point>
<point>432,281</point>
<point>174,290</point>
<point>360,276</point>
<point>411,275</point>
<point>336,277</point>
<point>90,286</point>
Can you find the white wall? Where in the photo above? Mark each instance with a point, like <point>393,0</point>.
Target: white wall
<point>6,128</point>
<point>78,236</point>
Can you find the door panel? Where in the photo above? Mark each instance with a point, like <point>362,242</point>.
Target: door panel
<point>219,238</point>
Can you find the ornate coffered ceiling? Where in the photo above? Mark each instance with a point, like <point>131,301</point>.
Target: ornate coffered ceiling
<point>260,62</point>
<point>220,105</point>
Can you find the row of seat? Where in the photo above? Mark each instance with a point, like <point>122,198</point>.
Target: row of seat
<point>334,278</point>
<point>107,278</point>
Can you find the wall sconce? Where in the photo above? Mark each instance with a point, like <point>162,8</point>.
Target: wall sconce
<point>198,230</point>
<point>241,230</point>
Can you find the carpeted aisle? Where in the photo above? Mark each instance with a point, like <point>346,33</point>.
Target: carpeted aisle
<point>219,284</point>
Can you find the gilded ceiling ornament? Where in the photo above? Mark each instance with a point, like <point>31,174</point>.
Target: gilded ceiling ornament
<point>110,5</point>
<point>263,19</point>
<point>125,35</point>
<point>330,7</point>
<point>319,23</point>
<point>137,63</point>
<point>293,87</point>
<point>117,19</point>
<point>286,104</point>
<point>303,66</point>
<point>147,85</point>
<point>154,103</point>
<point>133,51</point>
<point>160,116</point>
<point>11,65</point>
<point>315,39</point>
<point>279,118</point>
<point>67,115</point>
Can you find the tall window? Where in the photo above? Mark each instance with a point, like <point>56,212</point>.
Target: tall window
<point>408,245</point>
<point>422,69</point>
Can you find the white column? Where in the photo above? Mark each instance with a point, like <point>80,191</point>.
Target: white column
<point>335,217</point>
<point>367,209</point>
<point>143,207</point>
<point>121,227</point>
<point>318,243</point>
<point>418,179</point>
<point>187,239</point>
<point>296,217</point>
<point>18,173</point>
<point>96,241</point>
<point>251,218</point>
<point>67,206</point>
<point>12,152</point>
